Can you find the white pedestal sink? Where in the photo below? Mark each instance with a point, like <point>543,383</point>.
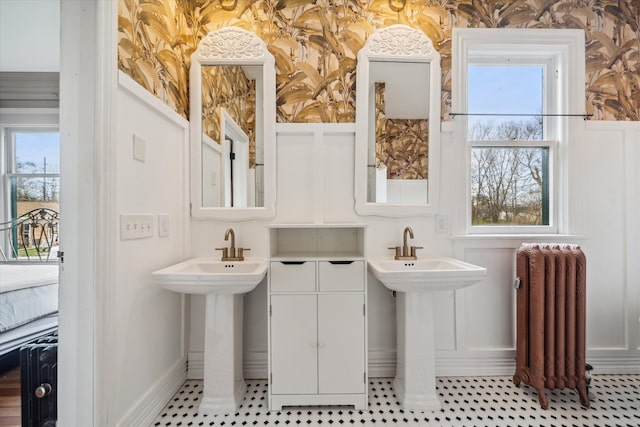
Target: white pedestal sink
<point>415,281</point>
<point>224,284</point>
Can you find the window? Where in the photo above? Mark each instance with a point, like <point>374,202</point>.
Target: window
<point>509,177</point>
<point>514,95</point>
<point>33,169</point>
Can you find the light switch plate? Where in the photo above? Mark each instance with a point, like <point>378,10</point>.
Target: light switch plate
<point>139,148</point>
<point>163,225</point>
<point>136,226</point>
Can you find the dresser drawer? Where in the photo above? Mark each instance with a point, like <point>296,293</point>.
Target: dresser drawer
<point>293,276</point>
<point>336,276</point>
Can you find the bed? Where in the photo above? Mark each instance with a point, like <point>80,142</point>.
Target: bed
<point>28,280</point>
<point>28,303</point>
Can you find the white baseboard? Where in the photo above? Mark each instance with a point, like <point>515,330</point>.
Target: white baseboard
<point>256,365</point>
<point>449,363</point>
<point>147,408</point>
<point>382,363</point>
<point>195,365</point>
<point>614,361</point>
<point>478,363</point>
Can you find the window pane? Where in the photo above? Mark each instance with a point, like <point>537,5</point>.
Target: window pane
<point>32,193</point>
<point>509,186</point>
<point>37,152</point>
<point>494,91</point>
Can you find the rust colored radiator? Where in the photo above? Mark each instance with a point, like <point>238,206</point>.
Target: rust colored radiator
<point>551,317</point>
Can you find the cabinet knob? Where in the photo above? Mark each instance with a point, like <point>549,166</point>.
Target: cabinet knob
<point>43,390</point>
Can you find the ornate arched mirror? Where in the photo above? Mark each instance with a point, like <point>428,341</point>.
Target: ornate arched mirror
<point>397,124</point>
<point>232,120</point>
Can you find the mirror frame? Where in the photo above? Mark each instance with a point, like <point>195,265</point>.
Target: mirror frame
<point>402,44</point>
<point>233,46</point>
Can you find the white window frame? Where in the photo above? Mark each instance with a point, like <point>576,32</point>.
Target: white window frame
<point>561,52</point>
<point>20,119</point>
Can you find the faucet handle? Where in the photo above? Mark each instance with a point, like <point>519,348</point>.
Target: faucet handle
<point>413,250</point>
<point>398,251</point>
<point>241,253</point>
<point>225,252</point>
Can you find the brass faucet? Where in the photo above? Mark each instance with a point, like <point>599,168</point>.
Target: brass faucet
<point>406,252</point>
<point>229,254</point>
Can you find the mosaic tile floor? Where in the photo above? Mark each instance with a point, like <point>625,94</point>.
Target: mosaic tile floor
<point>467,401</point>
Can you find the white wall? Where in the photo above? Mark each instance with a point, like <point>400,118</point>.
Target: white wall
<point>476,326</point>
<point>147,323</point>
<point>29,35</point>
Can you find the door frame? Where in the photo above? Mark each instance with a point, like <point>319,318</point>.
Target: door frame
<point>88,71</point>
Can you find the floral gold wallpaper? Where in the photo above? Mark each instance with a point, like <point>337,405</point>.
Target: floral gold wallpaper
<point>315,45</point>
<point>228,87</point>
<point>401,145</point>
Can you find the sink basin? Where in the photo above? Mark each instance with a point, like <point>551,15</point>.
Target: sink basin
<point>428,274</point>
<point>208,275</point>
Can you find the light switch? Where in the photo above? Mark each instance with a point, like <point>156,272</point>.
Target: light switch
<point>139,148</point>
<point>136,226</point>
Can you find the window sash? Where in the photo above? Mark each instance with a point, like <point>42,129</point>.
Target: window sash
<point>552,228</point>
<point>10,135</point>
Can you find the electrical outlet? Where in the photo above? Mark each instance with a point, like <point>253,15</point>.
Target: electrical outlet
<point>163,225</point>
<point>136,226</point>
<point>442,224</point>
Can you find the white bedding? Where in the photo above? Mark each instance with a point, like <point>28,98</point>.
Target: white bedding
<point>27,292</point>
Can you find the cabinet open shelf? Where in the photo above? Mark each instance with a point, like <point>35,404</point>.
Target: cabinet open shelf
<point>317,242</point>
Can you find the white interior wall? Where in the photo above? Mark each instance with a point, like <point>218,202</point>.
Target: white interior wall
<point>475,327</point>
<point>148,323</point>
<point>30,35</point>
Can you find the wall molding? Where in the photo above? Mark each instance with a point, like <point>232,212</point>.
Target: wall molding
<point>147,408</point>
<point>134,88</point>
<point>195,365</point>
<point>313,128</point>
<point>382,364</point>
<point>449,363</point>
<point>30,117</point>
<point>611,125</point>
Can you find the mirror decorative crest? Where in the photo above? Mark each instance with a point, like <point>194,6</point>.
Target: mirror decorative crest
<point>397,124</point>
<point>232,127</point>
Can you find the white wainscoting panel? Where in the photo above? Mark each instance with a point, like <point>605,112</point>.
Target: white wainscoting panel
<point>295,176</point>
<point>488,306</point>
<point>605,247</point>
<point>337,166</point>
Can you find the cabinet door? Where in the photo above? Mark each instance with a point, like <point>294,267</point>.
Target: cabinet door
<point>294,352</point>
<point>341,339</point>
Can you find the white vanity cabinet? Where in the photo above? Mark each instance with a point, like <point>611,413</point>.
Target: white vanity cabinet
<point>317,316</point>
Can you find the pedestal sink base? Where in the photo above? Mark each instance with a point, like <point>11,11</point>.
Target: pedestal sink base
<point>415,382</point>
<point>223,405</point>
<point>224,386</point>
<point>416,401</point>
